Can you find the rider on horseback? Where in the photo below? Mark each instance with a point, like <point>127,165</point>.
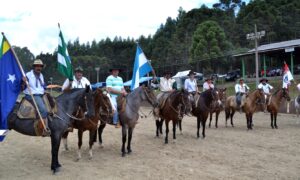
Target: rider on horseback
<point>208,84</point>
<point>115,87</point>
<point>37,86</point>
<point>240,89</point>
<point>267,88</point>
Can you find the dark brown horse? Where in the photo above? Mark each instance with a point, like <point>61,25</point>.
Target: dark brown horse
<point>250,105</point>
<point>102,105</point>
<point>201,108</point>
<point>172,110</point>
<point>274,104</point>
<point>216,107</point>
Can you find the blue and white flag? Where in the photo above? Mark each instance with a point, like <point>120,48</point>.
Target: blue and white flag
<point>10,84</point>
<point>141,67</point>
<point>287,76</point>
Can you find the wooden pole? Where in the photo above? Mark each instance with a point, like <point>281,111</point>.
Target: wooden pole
<point>26,81</point>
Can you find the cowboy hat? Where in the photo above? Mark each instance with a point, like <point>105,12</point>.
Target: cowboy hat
<point>167,72</point>
<point>38,62</point>
<point>79,69</point>
<point>116,68</point>
<point>241,79</point>
<point>208,78</point>
<point>191,73</point>
<point>263,79</point>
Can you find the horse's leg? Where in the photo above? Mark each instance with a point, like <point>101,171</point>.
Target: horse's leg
<point>203,121</point>
<point>55,143</point>
<point>251,121</point>
<point>80,133</point>
<point>275,120</point>
<point>180,126</point>
<point>93,135</point>
<point>227,115</point>
<point>167,131</point>
<point>272,116</point>
<point>124,134</point>
<point>231,118</point>
<point>174,130</point>
<point>247,118</point>
<point>100,131</point>
<point>217,117</point>
<point>65,140</point>
<point>130,131</point>
<point>161,125</point>
<point>210,118</point>
<point>198,126</point>
<point>157,127</point>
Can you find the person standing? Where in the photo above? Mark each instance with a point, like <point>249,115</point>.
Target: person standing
<point>115,87</point>
<point>79,81</point>
<point>37,87</point>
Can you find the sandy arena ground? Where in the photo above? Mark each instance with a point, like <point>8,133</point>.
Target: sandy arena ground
<point>226,153</point>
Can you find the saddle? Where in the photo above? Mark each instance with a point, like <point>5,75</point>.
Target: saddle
<point>121,104</point>
<point>163,99</point>
<point>27,110</point>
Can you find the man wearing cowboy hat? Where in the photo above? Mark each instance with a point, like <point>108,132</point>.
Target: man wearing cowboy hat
<point>190,84</point>
<point>267,88</point>
<point>208,84</point>
<point>79,81</point>
<point>240,89</point>
<point>166,84</point>
<point>115,88</point>
<point>37,86</point>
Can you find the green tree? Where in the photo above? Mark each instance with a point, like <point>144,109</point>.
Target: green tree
<point>25,56</point>
<point>209,43</point>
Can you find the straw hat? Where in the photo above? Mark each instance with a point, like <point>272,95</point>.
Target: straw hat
<point>38,62</point>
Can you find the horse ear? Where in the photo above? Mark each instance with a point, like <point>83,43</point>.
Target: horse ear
<point>224,89</point>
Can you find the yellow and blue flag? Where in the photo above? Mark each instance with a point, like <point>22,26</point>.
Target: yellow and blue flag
<point>10,84</point>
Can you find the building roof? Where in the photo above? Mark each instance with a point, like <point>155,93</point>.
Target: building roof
<point>273,47</point>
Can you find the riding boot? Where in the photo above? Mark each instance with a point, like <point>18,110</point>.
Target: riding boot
<point>47,131</point>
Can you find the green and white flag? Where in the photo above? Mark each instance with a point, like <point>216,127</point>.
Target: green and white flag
<point>64,61</point>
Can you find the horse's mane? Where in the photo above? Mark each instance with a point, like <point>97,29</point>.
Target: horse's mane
<point>275,93</point>
<point>70,92</point>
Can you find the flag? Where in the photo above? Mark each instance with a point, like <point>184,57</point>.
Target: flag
<point>141,67</point>
<point>287,76</point>
<point>10,84</point>
<point>64,61</point>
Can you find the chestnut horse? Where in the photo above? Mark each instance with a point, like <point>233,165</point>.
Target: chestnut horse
<point>201,108</point>
<point>216,108</point>
<point>249,107</point>
<point>171,110</point>
<point>102,105</point>
<point>274,104</point>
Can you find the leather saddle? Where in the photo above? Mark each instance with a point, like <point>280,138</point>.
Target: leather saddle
<point>27,110</point>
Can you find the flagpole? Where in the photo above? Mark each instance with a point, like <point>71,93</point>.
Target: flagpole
<point>26,81</point>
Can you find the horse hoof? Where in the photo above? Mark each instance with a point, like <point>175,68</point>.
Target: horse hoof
<point>101,146</point>
<point>129,151</point>
<point>272,127</point>
<point>276,127</point>
<point>56,170</point>
<point>123,154</point>
<point>181,133</point>
<point>166,142</point>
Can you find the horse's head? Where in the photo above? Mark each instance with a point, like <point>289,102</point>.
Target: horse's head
<point>185,100</point>
<point>222,95</point>
<point>148,94</point>
<point>103,103</point>
<point>285,94</point>
<point>86,102</point>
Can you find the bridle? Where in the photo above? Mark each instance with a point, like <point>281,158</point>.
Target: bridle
<point>148,98</point>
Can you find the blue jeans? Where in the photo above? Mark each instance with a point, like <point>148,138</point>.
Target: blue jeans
<point>40,103</point>
<point>116,115</point>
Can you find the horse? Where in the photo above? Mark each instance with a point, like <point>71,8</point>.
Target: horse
<point>216,108</point>
<point>297,105</point>
<point>59,123</point>
<point>274,104</point>
<point>201,108</point>
<point>129,116</point>
<point>249,107</point>
<point>102,106</point>
<point>176,104</point>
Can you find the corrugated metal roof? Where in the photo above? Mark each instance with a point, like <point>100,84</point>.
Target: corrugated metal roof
<point>273,47</point>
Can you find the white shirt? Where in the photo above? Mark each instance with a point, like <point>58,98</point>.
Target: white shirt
<point>76,84</point>
<point>298,86</point>
<point>36,86</point>
<point>241,88</point>
<point>166,85</point>
<point>266,87</point>
<point>207,86</point>
<point>190,85</point>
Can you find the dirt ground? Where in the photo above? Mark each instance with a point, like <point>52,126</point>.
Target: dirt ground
<point>226,153</point>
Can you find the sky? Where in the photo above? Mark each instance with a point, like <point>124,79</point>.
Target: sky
<point>33,23</point>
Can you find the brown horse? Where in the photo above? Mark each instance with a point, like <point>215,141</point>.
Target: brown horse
<point>102,105</point>
<point>201,108</point>
<point>172,110</point>
<point>249,107</point>
<point>216,108</point>
<point>274,104</point>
